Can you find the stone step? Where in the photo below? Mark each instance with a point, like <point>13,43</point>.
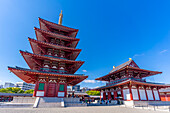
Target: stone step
<point>16,105</point>
<point>75,104</point>
<point>49,105</point>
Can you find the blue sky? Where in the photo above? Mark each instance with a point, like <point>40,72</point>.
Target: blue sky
<point>110,32</point>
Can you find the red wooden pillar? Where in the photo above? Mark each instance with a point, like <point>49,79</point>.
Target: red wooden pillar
<point>122,92</point>
<point>131,96</point>
<point>115,95</point>
<point>138,93</point>
<point>146,93</point>
<point>36,88</point>
<point>104,95</point>
<point>109,95</point>
<point>153,94</point>
<point>159,94</point>
<point>57,88</point>
<point>65,89</point>
<point>46,87</point>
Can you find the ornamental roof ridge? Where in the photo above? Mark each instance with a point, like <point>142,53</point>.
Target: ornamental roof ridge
<point>43,20</point>
<point>51,33</point>
<point>121,66</point>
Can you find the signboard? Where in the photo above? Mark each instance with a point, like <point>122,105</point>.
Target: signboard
<point>40,93</point>
<point>61,94</point>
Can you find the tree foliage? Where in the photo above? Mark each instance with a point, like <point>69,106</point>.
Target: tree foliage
<point>29,91</point>
<point>15,90</point>
<point>94,93</point>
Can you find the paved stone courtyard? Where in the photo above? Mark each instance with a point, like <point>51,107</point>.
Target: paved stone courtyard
<point>90,109</point>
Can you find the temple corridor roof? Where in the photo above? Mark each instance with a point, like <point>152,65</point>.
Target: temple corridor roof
<point>133,81</point>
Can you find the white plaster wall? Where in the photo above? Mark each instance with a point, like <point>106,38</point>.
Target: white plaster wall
<point>135,94</point>
<point>142,94</point>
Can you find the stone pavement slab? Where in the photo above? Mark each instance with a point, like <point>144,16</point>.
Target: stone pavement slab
<point>89,109</point>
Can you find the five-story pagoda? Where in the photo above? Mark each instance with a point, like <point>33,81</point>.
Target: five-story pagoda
<point>52,63</point>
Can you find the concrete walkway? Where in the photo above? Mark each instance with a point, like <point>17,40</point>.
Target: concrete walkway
<point>89,109</point>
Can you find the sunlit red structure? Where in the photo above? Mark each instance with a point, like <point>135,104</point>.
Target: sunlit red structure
<point>52,63</point>
<point>127,81</point>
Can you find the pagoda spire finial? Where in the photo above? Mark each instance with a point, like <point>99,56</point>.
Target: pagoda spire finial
<point>60,18</point>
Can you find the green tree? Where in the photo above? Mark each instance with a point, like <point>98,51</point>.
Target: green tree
<point>11,90</point>
<point>94,93</point>
<point>3,90</point>
<point>29,91</point>
<point>21,91</point>
<point>16,89</point>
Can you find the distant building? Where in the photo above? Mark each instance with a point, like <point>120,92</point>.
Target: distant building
<point>24,86</point>
<point>85,89</point>
<point>1,86</point>
<point>8,84</point>
<point>75,88</point>
<point>68,89</point>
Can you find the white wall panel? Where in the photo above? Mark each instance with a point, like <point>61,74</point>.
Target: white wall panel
<point>125,93</point>
<point>142,94</point>
<point>155,92</point>
<point>150,94</point>
<point>135,94</point>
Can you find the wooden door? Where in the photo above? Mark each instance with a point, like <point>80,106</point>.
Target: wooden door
<point>51,90</point>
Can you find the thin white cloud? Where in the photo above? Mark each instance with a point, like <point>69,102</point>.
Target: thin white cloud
<point>84,70</point>
<point>103,81</point>
<point>89,81</point>
<point>96,87</point>
<point>136,55</point>
<point>163,51</point>
<point>94,81</point>
<point>0,81</point>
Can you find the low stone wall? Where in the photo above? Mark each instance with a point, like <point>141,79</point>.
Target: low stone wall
<point>72,100</point>
<point>43,102</point>
<point>23,100</point>
<point>147,103</point>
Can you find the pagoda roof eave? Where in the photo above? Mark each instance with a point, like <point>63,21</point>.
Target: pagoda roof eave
<point>31,63</point>
<point>58,26</point>
<point>29,75</point>
<point>36,50</point>
<point>50,57</point>
<point>135,83</point>
<point>128,68</point>
<point>54,45</point>
<point>55,34</point>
